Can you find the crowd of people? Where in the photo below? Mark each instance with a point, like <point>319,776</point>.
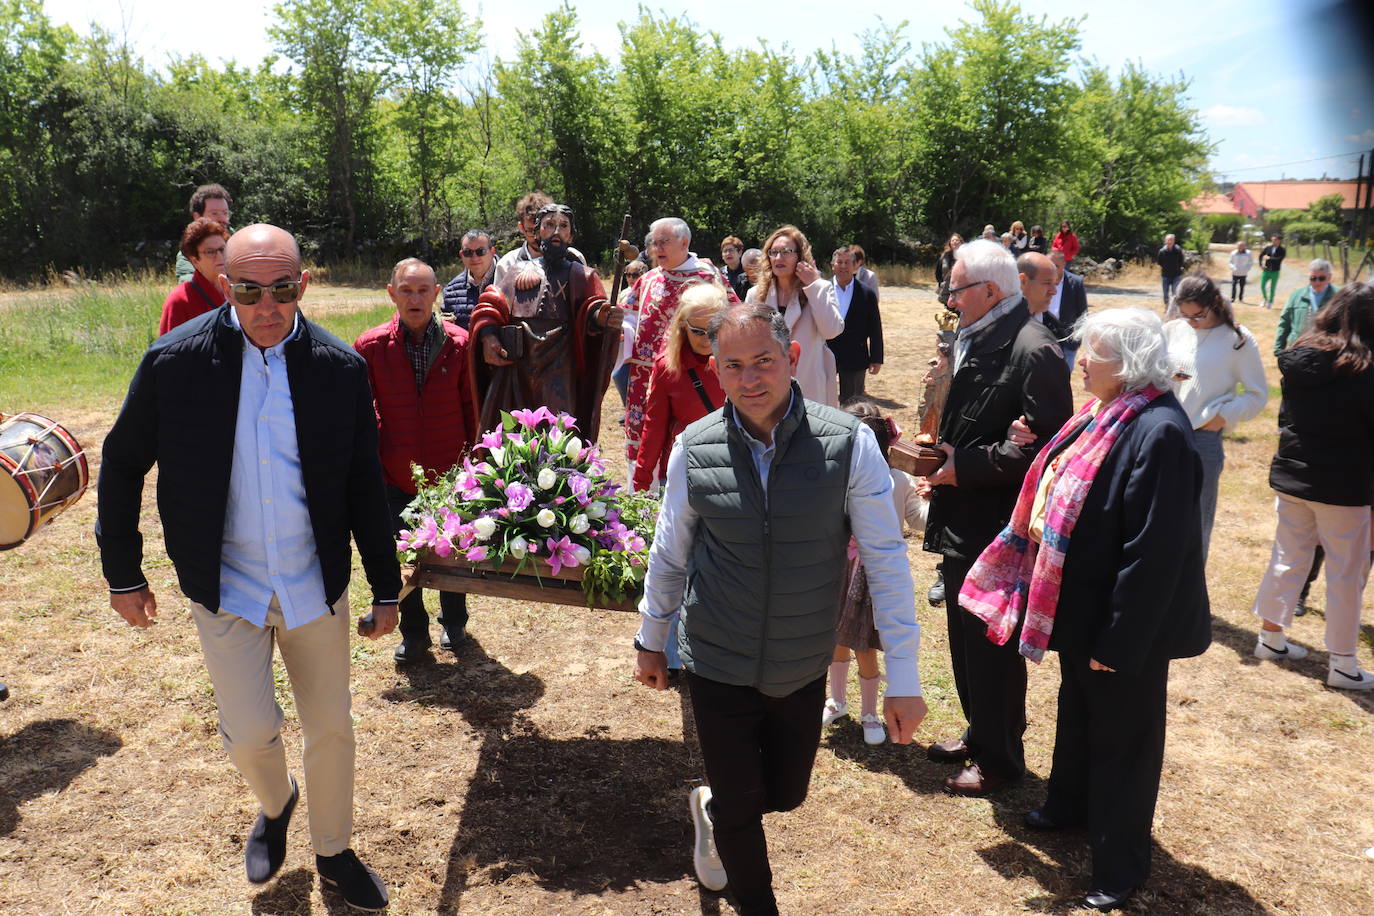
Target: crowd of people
<point>778,558</point>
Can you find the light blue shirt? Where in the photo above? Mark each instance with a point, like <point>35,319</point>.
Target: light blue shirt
<point>269,544</point>
<point>873,521</point>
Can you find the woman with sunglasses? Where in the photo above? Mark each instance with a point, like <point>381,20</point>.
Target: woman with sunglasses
<point>1212,356</point>
<point>682,387</point>
<point>790,282</point>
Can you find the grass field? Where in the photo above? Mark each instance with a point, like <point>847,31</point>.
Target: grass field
<point>530,773</point>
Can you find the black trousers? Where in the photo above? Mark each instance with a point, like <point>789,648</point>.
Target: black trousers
<point>453,606</point>
<point>1237,288</point>
<point>758,752</point>
<point>1108,754</point>
<point>991,681</point>
<point>851,384</point>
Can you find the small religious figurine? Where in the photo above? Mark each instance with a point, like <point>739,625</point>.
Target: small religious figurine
<point>545,334</point>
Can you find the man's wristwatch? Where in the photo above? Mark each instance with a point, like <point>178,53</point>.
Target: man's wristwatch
<point>639,646</point>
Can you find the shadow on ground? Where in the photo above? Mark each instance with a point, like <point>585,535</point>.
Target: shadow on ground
<point>44,757</point>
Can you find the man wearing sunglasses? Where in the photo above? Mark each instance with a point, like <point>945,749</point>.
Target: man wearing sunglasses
<point>262,428</point>
<point>479,272</point>
<point>1303,303</point>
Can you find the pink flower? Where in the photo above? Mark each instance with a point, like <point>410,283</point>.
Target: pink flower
<point>564,420</point>
<point>491,440</point>
<point>476,554</point>
<point>421,537</point>
<point>562,553</point>
<point>518,496</point>
<point>515,439</point>
<point>531,418</point>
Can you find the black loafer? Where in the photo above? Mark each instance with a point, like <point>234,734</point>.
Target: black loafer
<point>265,850</point>
<point>356,883</point>
<point>1106,900</point>
<point>411,650</point>
<point>1038,820</point>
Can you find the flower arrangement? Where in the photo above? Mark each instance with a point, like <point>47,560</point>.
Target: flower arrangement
<point>538,496</point>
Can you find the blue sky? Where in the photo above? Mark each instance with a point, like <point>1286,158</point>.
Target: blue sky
<point>1285,89</point>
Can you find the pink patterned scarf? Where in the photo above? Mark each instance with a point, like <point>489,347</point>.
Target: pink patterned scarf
<point>1016,578</point>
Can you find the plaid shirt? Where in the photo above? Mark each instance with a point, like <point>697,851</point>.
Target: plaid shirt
<point>419,352</point>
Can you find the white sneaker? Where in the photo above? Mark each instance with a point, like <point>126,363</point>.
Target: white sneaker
<point>1289,652</point>
<point>874,732</point>
<point>705,859</point>
<point>1359,679</point>
<point>833,710</point>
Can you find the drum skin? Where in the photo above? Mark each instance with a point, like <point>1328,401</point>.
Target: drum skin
<point>42,471</point>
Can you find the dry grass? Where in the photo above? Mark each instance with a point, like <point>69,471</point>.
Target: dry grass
<point>531,775</point>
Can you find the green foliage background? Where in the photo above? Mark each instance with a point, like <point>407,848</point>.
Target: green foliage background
<point>383,130</point>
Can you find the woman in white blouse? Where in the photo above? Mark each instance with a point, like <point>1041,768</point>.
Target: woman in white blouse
<point>1212,356</point>
<point>789,281</point>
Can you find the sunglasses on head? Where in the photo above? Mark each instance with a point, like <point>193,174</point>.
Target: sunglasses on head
<point>284,292</point>
<point>696,331</point>
<point>474,252</point>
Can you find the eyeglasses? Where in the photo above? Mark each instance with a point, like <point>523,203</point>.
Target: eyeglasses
<point>473,252</point>
<point>734,248</point>
<point>781,252</point>
<point>1319,278</point>
<point>1193,319</point>
<point>959,289</point>
<point>250,293</point>
<point>696,331</point>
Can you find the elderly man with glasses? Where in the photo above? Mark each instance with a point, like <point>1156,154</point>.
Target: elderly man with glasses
<point>479,272</point>
<point>262,428</point>
<point>1303,303</point>
<point>1006,366</point>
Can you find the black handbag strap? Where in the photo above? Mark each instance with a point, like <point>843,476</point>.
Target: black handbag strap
<point>701,390</point>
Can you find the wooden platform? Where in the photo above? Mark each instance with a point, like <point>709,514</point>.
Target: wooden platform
<point>456,575</point>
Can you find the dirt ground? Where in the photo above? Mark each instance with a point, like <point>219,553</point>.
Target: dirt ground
<point>531,774</point>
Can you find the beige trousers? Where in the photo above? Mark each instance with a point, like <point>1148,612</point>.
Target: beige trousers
<point>1343,532</point>
<point>238,655</point>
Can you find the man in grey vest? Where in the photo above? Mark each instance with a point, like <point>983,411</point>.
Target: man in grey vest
<point>760,501</point>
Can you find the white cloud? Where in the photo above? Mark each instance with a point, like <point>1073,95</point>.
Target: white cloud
<point>1234,116</point>
<point>1361,139</point>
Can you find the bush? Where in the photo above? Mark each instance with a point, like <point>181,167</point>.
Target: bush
<point>1276,220</point>
<point>1313,230</point>
<point>1223,226</point>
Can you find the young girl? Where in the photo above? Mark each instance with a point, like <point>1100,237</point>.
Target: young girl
<point>855,629</point>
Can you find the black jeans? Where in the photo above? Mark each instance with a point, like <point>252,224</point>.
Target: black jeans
<point>991,681</point>
<point>1237,288</point>
<point>851,384</point>
<point>453,606</point>
<point>758,752</point>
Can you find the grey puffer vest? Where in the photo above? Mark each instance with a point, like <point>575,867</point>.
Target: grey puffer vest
<point>763,581</point>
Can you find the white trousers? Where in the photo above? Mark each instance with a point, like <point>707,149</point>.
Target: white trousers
<point>1343,532</point>
<point>238,655</point>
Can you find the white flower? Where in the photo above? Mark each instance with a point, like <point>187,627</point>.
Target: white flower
<point>583,555</point>
<point>498,455</point>
<point>574,447</point>
<point>518,547</point>
<point>596,510</point>
<point>579,524</point>
<point>547,478</point>
<point>545,518</point>
<point>485,527</point>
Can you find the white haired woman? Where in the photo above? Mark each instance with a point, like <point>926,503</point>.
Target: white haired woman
<point>1102,563</point>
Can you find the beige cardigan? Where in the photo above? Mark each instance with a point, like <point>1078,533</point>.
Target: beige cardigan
<point>812,327</point>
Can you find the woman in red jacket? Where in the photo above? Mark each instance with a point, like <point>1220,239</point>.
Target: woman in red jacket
<point>203,244</point>
<point>682,387</point>
<point>1066,242</point>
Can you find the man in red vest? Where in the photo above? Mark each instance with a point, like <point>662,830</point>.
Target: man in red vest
<point>426,415</point>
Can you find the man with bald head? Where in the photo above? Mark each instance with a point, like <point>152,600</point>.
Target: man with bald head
<point>1038,280</point>
<point>1068,304</point>
<point>262,428</point>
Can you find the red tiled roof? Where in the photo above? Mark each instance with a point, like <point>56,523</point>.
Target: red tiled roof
<point>1209,202</point>
<point>1296,195</point>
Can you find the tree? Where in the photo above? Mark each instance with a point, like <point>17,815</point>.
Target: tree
<point>1327,209</point>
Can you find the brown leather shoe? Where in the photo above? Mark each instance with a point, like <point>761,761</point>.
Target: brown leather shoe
<point>973,782</point>
<point>952,751</point>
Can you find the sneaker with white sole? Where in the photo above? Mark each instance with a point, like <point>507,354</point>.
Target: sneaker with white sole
<point>710,871</point>
<point>874,732</point>
<point>1359,679</point>
<point>1289,652</point>
<point>834,709</point>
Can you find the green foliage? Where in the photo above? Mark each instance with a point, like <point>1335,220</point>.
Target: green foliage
<point>1311,230</point>
<point>1225,226</point>
<point>386,139</point>
<point>1275,220</point>
<point>1327,209</point>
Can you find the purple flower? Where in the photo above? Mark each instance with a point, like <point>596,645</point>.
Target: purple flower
<point>515,439</point>
<point>578,484</point>
<point>562,553</point>
<point>518,496</point>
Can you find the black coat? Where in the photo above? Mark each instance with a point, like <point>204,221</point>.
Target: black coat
<point>1014,368</point>
<point>860,344</point>
<point>1171,261</point>
<point>180,414</point>
<point>1326,431</point>
<point>1073,305</point>
<point>1134,589</point>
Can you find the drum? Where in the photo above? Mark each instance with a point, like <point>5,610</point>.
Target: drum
<point>42,472</point>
